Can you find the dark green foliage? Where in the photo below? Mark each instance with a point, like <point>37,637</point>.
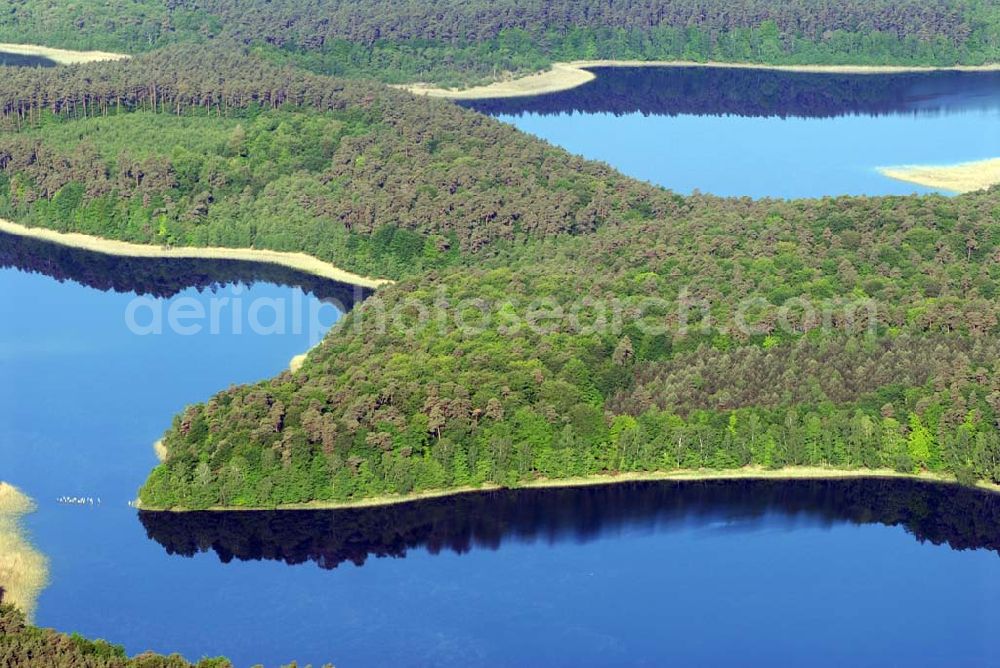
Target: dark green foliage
<point>24,645</point>
<point>124,25</point>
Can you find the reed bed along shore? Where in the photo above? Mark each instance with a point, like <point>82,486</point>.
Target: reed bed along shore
<point>24,571</point>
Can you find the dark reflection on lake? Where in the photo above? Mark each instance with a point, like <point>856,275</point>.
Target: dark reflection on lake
<point>670,91</point>
<point>767,133</point>
<point>959,517</point>
<point>160,277</point>
<point>19,60</point>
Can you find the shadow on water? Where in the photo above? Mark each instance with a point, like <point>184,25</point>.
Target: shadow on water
<point>669,91</point>
<point>959,517</point>
<point>19,60</point>
<point>160,277</point>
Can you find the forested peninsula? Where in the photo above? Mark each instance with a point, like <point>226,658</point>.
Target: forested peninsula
<point>551,318</point>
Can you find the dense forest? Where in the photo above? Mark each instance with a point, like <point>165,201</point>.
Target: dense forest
<point>552,319</point>
<point>24,645</point>
<point>460,42</point>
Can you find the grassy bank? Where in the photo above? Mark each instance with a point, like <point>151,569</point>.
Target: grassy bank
<point>961,178</point>
<point>23,570</point>
<point>747,473</point>
<point>565,76</point>
<point>297,261</point>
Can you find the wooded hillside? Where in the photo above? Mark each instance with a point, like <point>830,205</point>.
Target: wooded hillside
<point>456,41</point>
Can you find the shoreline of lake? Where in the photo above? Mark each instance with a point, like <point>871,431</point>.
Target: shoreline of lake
<point>61,56</point>
<point>297,261</point>
<point>569,75</point>
<point>682,475</point>
<point>961,177</point>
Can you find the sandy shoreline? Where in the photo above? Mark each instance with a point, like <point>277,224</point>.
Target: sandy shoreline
<point>61,56</point>
<point>749,473</point>
<point>562,76</point>
<point>961,178</point>
<point>297,261</point>
<point>565,76</point>
<point>160,450</point>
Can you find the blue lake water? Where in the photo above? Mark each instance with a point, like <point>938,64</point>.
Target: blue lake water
<point>819,573</point>
<point>767,134</point>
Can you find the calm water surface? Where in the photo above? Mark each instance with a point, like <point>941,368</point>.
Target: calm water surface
<point>819,573</point>
<point>764,133</point>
